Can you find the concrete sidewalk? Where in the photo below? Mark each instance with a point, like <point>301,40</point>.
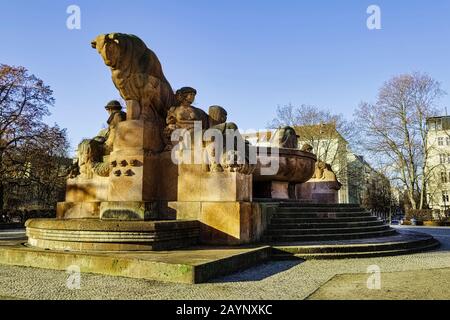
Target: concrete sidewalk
<point>407,285</point>
<point>407,276</point>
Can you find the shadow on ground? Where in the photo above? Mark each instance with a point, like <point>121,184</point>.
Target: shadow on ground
<point>259,272</point>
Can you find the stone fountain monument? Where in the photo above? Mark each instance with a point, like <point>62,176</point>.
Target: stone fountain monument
<point>166,175</point>
<point>134,188</point>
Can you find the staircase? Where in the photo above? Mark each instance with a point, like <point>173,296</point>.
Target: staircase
<point>309,230</point>
<point>309,222</point>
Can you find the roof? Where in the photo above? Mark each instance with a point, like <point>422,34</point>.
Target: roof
<point>327,130</point>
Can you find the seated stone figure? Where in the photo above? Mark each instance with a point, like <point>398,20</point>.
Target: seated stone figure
<point>91,152</point>
<point>285,137</point>
<point>184,115</point>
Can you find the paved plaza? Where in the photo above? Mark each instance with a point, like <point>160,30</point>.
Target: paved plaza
<point>415,276</point>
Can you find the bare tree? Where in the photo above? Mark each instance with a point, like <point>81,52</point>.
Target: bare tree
<point>42,179</point>
<point>329,134</point>
<point>309,115</point>
<point>394,130</point>
<point>27,144</point>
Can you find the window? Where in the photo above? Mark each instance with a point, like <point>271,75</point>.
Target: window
<point>442,158</point>
<point>432,125</point>
<point>444,177</point>
<point>445,196</point>
<point>435,124</point>
<point>447,141</point>
<point>440,141</point>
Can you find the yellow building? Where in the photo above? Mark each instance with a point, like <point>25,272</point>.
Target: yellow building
<point>438,163</point>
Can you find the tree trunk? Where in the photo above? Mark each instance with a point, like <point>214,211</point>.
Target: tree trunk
<point>2,189</point>
<point>423,189</point>
<point>412,199</point>
<point>1,197</point>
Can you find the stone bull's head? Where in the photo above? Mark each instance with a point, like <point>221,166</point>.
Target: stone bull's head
<point>108,46</point>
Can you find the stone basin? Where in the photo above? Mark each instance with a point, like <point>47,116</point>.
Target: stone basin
<point>294,166</point>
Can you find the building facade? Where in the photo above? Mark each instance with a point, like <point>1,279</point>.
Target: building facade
<point>438,163</point>
<point>366,185</point>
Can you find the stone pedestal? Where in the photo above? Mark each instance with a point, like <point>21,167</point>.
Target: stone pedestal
<point>318,191</point>
<point>85,190</point>
<point>135,173</point>
<point>221,223</point>
<point>78,210</point>
<point>221,201</point>
<point>83,198</point>
<point>195,183</point>
<point>134,162</point>
<point>141,182</point>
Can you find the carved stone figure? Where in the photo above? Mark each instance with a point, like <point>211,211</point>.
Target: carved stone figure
<point>229,157</point>
<point>137,74</point>
<point>318,172</point>
<point>285,137</point>
<point>324,172</point>
<point>217,121</point>
<point>307,148</point>
<point>218,117</point>
<point>184,115</point>
<point>91,152</point>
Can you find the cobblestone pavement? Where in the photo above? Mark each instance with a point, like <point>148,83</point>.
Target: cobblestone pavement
<point>272,280</point>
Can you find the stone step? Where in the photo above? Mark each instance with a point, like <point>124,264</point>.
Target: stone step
<point>284,201</point>
<point>328,231</point>
<point>326,225</point>
<point>110,235</point>
<point>398,241</point>
<point>322,220</point>
<point>401,243</point>
<point>196,264</point>
<point>321,215</point>
<point>306,205</point>
<point>345,255</point>
<point>329,236</point>
<point>321,209</point>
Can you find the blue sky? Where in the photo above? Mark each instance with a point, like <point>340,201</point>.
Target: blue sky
<point>248,56</point>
